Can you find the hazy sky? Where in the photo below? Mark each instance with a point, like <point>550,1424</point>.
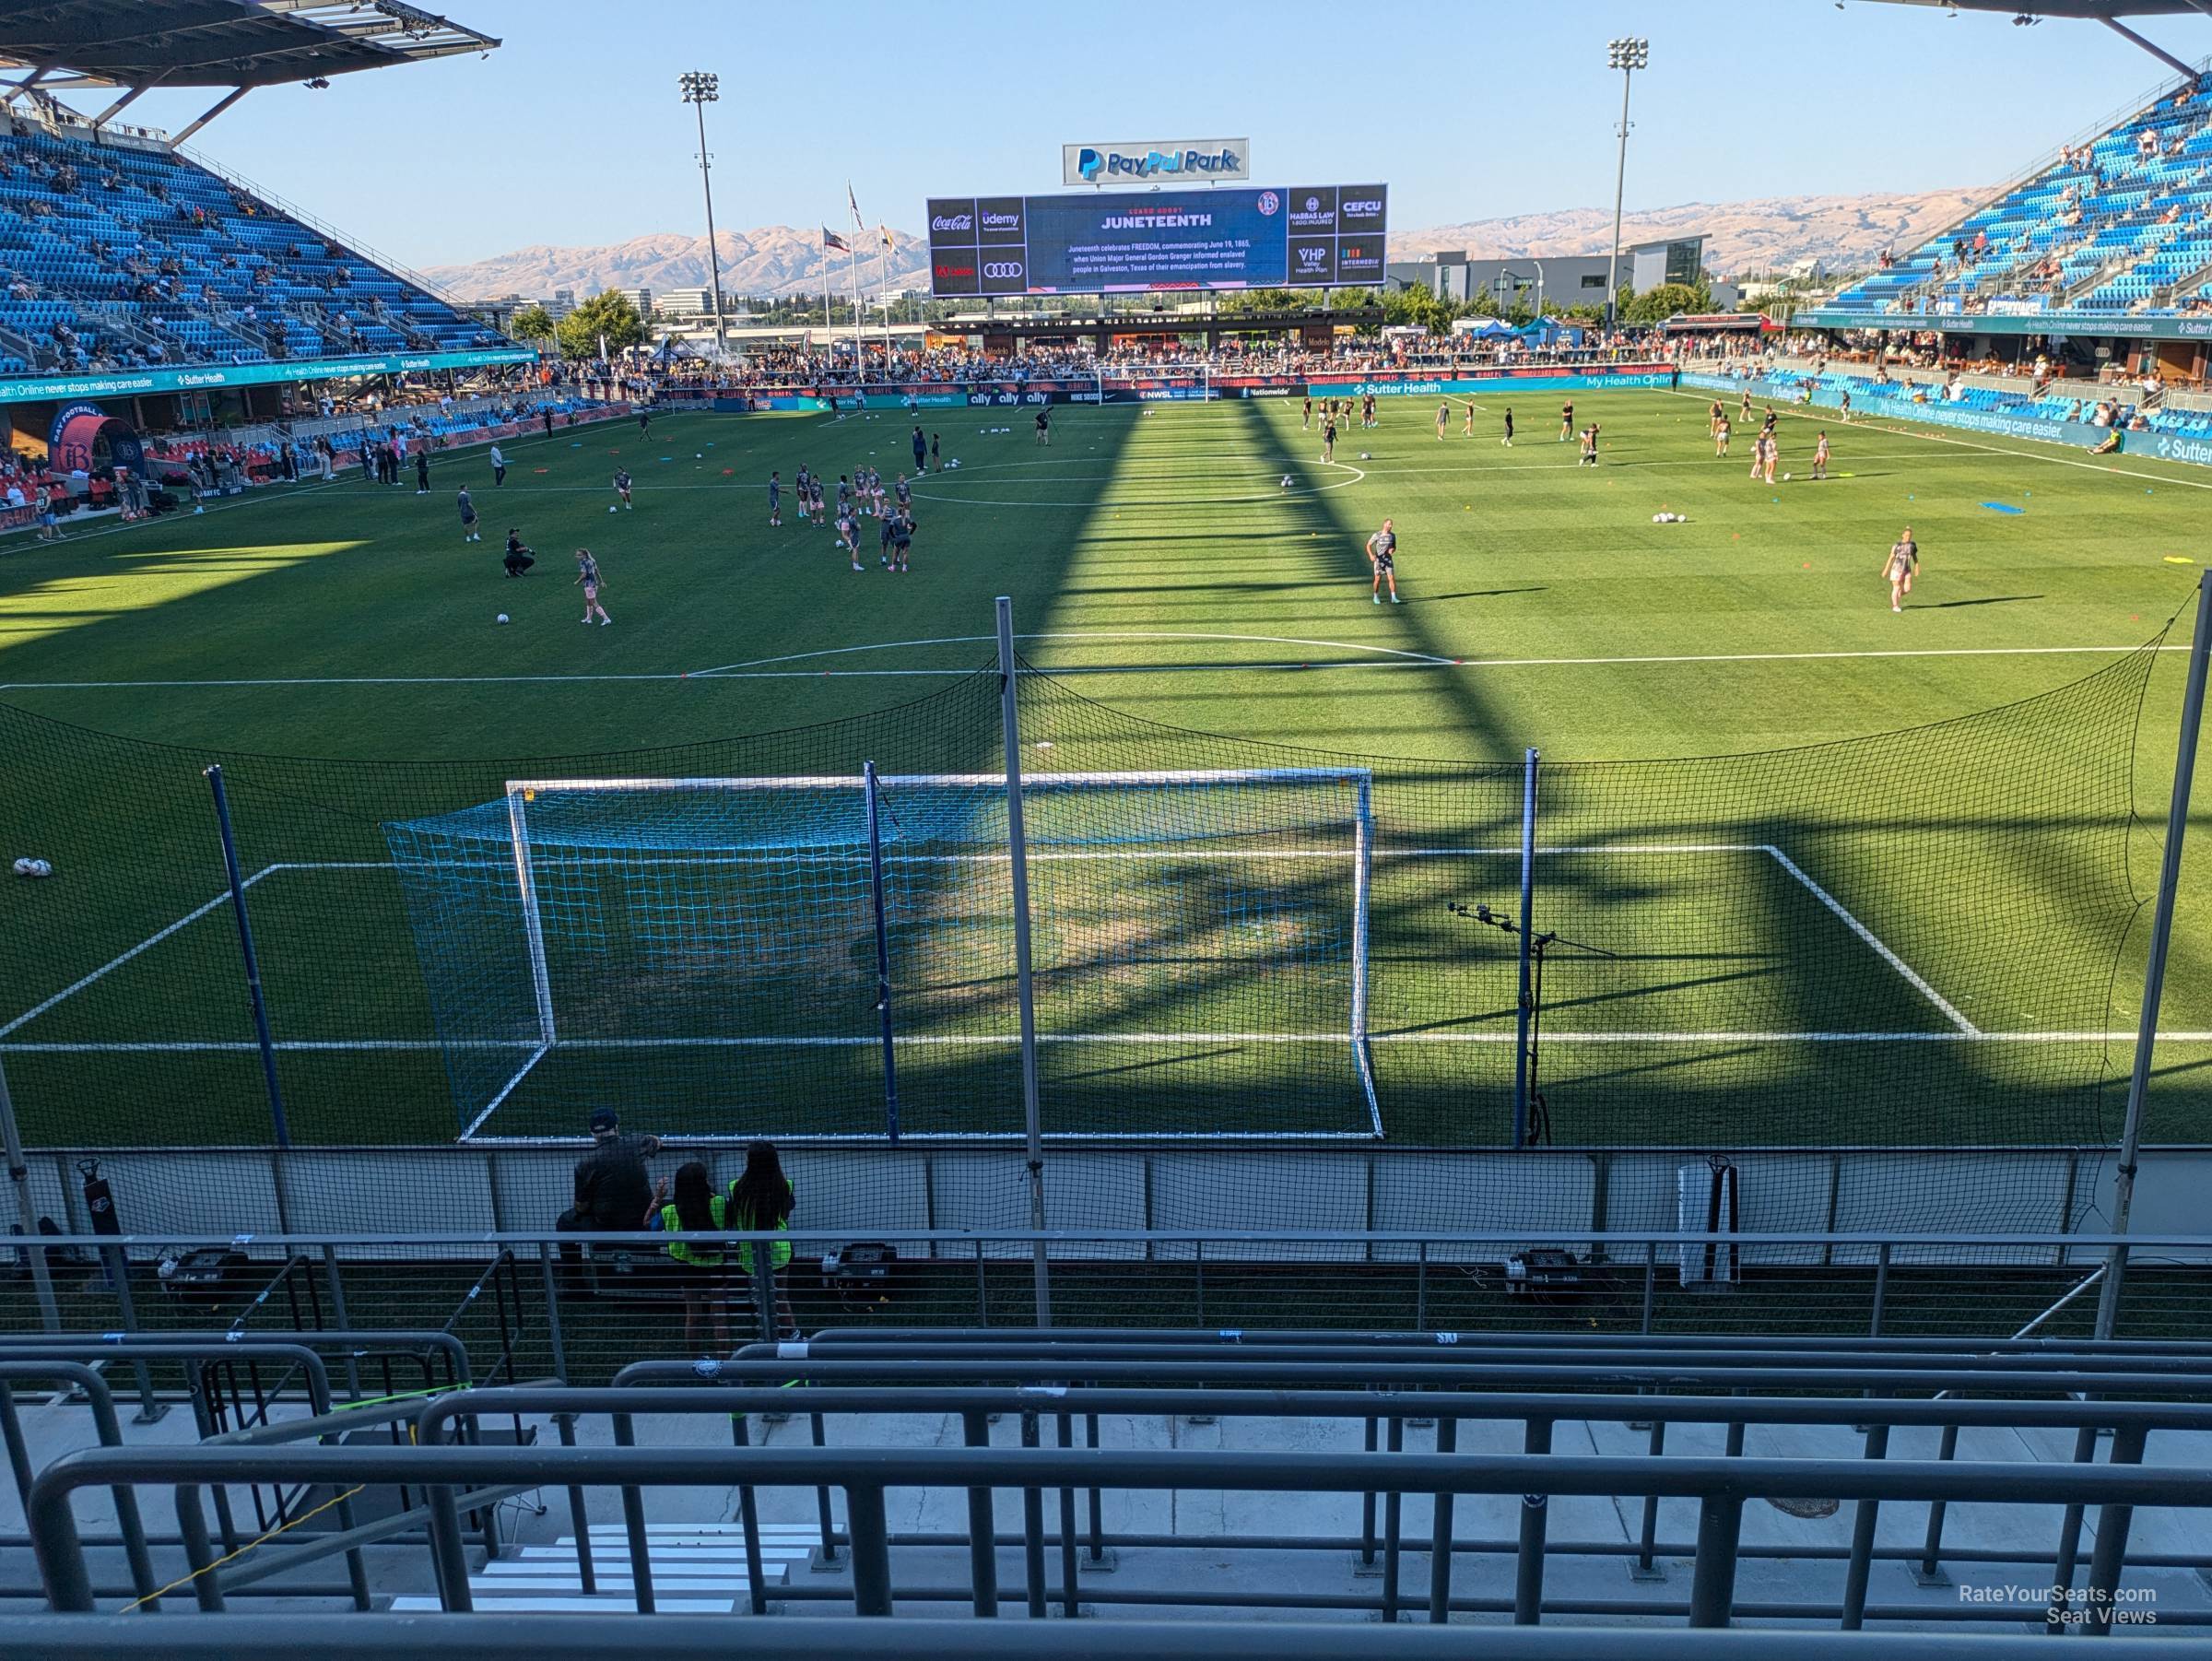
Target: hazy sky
<point>566,134</point>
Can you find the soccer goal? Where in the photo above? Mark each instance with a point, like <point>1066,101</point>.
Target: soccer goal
<point>835,956</point>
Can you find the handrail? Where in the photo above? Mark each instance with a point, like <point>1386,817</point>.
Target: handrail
<point>1516,1239</point>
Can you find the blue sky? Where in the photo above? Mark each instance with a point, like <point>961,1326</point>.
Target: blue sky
<point>566,135</point>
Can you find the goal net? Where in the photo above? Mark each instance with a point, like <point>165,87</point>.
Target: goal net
<point>835,957</point>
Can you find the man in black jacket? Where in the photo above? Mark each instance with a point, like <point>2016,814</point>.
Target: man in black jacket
<point>613,1187</point>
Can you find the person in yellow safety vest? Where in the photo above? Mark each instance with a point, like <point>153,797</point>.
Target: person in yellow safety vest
<point>695,1208</point>
<point>761,1200</point>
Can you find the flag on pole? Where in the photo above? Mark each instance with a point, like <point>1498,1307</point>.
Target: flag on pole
<point>853,202</point>
<point>832,240</point>
<point>884,233</point>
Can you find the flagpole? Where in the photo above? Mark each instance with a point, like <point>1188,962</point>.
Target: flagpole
<point>883,284</point>
<point>852,263</point>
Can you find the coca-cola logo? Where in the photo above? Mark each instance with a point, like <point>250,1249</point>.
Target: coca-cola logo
<point>953,222</point>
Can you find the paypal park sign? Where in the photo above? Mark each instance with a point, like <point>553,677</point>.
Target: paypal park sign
<point>1188,161</point>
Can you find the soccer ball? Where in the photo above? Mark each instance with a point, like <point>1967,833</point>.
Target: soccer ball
<point>502,617</point>
<point>1785,478</point>
<point>954,462</point>
<point>610,507</point>
<point>1286,481</point>
<point>34,867</point>
<point>1366,455</point>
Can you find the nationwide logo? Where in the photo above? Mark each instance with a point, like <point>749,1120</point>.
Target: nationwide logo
<point>953,222</point>
<point>1152,164</point>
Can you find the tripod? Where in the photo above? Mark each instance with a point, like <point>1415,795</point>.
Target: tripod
<point>1531,1001</point>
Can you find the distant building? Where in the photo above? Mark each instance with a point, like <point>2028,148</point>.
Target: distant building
<point>639,298</point>
<point>500,309</point>
<point>561,304</point>
<point>1566,280</point>
<point>686,302</point>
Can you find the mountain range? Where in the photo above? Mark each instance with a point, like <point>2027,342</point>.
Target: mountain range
<point>1764,235</point>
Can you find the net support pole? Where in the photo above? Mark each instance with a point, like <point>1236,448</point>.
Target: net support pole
<point>883,950</point>
<point>27,1209</point>
<point>1025,989</point>
<point>252,966</point>
<point>1528,902</point>
<point>2154,973</point>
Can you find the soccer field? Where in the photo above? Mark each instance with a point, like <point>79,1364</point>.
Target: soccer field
<point>1910,941</point>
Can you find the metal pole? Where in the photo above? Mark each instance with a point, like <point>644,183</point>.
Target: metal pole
<point>1025,989</point>
<point>245,948</point>
<point>883,948</point>
<point>1620,181</point>
<point>706,180</point>
<point>27,1210</point>
<point>2161,936</point>
<point>1528,900</point>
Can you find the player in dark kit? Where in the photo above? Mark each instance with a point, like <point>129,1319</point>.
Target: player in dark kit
<point>1508,439</point>
<point>1044,427</point>
<point>1328,438</point>
<point>920,451</point>
<point>1566,420</point>
<point>1305,416</point>
<point>775,499</point>
<point>623,488</point>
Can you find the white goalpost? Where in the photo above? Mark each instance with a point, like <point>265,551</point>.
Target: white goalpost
<point>728,943</point>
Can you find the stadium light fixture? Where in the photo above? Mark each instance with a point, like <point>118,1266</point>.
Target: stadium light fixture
<point>701,87</point>
<point>1627,54</point>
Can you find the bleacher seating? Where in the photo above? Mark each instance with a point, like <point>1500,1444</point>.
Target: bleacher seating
<point>119,255</point>
<point>2120,225</point>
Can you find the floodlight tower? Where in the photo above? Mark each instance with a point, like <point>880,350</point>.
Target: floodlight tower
<point>699,88</point>
<point>1626,54</point>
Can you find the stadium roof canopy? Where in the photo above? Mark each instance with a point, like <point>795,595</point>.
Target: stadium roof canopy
<point>139,44</point>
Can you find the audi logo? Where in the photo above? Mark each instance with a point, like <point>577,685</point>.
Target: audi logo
<point>1004,268</point>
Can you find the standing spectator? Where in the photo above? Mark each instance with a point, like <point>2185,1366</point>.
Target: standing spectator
<point>422,472</point>
<point>760,1202</point>
<point>695,1208</point>
<point>612,1188</point>
<point>499,467</point>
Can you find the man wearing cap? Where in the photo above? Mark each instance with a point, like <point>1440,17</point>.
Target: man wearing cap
<point>613,1188</point>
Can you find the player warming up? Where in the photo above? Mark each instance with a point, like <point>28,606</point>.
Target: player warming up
<point>1566,421</point>
<point>1443,419</point>
<point>1328,438</point>
<point>589,579</point>
<point>623,488</point>
<point>1508,439</point>
<point>1901,566</point>
<point>776,498</point>
<point>1383,554</point>
<point>1820,456</point>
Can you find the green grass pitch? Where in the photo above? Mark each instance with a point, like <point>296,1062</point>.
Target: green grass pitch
<point>1156,562</point>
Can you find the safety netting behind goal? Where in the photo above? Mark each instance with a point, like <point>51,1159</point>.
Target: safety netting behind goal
<point>709,951</point>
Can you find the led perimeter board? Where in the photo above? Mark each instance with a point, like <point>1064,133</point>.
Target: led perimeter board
<point>1318,236</point>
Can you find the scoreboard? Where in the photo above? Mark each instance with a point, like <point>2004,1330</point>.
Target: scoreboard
<point>1320,236</point>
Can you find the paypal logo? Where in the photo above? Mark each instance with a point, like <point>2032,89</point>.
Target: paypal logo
<point>1090,163</point>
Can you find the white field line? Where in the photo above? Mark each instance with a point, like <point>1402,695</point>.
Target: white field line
<point>1397,660</point>
<point>1828,417</point>
<point>1965,1028</point>
<point>1872,939</point>
<point>987,1040</point>
<point>151,940</point>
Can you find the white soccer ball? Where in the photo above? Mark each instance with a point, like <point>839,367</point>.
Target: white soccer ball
<point>34,867</point>
<point>1286,481</point>
<point>1785,478</point>
<point>502,617</point>
<point>1658,518</point>
<point>954,462</point>
<point>1366,456</point>
<point>610,507</point>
